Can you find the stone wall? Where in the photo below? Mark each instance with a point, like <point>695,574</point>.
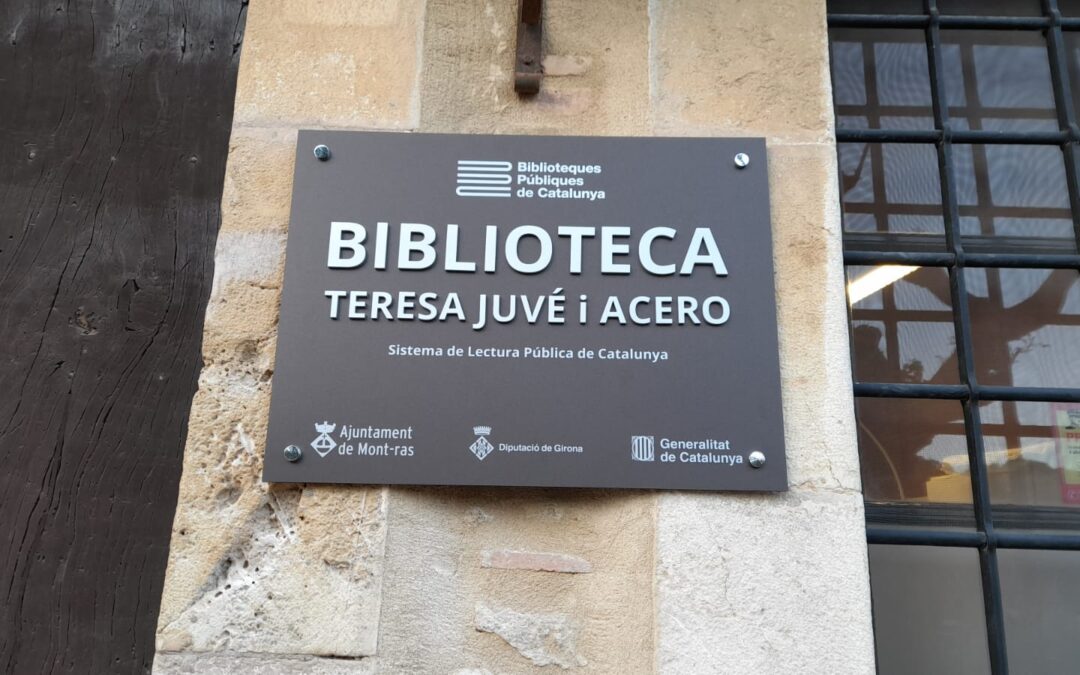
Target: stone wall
<point>275,579</point>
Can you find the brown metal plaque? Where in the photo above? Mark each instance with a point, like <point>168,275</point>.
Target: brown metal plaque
<point>528,311</point>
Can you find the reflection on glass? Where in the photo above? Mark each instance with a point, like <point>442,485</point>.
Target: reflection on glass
<point>1069,8</point>
<point>913,450</point>
<point>997,75</point>
<point>1025,326</point>
<point>890,187</point>
<point>1033,453</point>
<point>902,324</point>
<point>928,610</point>
<point>881,77</point>
<point>1013,194</point>
<point>1040,595</point>
<point>1072,50</point>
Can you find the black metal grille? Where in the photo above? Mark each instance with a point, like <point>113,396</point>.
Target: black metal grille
<point>913,524</point>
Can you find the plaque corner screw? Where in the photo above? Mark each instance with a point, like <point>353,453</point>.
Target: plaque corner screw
<point>742,160</point>
<point>757,459</point>
<point>293,453</point>
<point>322,152</point>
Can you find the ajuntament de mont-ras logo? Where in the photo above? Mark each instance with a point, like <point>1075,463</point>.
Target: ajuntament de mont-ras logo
<point>323,444</point>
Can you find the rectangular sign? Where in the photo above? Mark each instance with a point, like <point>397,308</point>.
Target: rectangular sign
<point>528,311</point>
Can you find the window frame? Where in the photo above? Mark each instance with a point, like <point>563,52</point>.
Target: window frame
<point>921,524</point>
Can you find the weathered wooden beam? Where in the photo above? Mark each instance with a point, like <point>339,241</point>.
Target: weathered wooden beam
<point>114,134</point>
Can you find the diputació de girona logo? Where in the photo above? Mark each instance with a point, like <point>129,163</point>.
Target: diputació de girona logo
<point>483,178</point>
<point>323,444</point>
<point>481,447</point>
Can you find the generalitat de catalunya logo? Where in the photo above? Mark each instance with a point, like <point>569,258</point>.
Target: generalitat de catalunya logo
<point>642,448</point>
<point>483,178</point>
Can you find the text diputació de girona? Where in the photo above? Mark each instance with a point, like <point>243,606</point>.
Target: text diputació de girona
<point>419,246</point>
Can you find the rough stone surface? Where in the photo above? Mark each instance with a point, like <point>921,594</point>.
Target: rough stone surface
<point>537,562</point>
<point>729,67</point>
<point>340,63</point>
<point>815,365</point>
<point>544,639</point>
<point>763,584</point>
<point>597,54</point>
<point>258,664</point>
<point>436,538</point>
<point>284,569</point>
<point>258,180</point>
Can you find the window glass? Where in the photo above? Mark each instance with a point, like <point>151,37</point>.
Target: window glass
<point>998,75</point>
<point>1025,326</point>
<point>904,198</point>
<point>1041,596</point>
<point>881,79</point>
<point>990,7</point>
<point>902,324</point>
<point>928,610</point>
<point>1072,56</point>
<point>1033,455</point>
<point>1069,7</point>
<point>913,450</point>
<point>1012,197</point>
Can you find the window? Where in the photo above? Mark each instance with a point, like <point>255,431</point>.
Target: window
<point>958,143</point>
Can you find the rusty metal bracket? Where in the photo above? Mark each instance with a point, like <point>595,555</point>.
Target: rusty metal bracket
<point>528,66</point>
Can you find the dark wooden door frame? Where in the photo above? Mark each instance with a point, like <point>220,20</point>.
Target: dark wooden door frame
<point>114,128</point>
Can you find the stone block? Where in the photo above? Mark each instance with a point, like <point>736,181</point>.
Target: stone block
<point>257,193</point>
<point>725,67</point>
<point>340,63</point>
<point>812,315</point>
<point>278,570</point>
<point>596,53</point>
<point>435,578</point>
<point>763,584</point>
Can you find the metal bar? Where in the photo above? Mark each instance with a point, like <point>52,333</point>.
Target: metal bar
<point>1047,394</point>
<point>1058,60</point>
<point>962,136</point>
<point>944,21</point>
<point>970,539</point>
<point>957,392</point>
<point>960,392</point>
<point>900,110</point>
<point>919,258</point>
<point>944,259</point>
<point>921,537</point>
<point>1029,540</point>
<point>980,488</point>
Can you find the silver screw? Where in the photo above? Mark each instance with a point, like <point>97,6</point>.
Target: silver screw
<point>322,152</point>
<point>293,453</point>
<point>742,160</point>
<point>757,459</point>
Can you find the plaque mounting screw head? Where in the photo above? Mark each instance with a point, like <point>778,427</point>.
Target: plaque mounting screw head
<point>742,160</point>
<point>757,459</point>
<point>293,453</point>
<point>322,152</point>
